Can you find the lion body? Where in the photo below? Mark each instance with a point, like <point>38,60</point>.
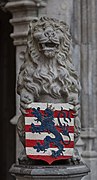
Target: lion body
<point>47,74</point>
<point>52,74</point>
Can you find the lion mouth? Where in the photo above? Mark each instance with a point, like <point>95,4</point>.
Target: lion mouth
<point>48,45</point>
<point>51,45</point>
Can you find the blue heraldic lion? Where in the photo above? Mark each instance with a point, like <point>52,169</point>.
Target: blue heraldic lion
<point>47,124</point>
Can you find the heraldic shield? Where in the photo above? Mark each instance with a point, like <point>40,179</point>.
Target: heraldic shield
<point>49,131</point>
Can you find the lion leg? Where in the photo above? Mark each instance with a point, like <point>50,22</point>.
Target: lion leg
<point>21,132</point>
<point>45,146</point>
<point>21,129</point>
<point>59,151</point>
<point>77,128</point>
<point>37,129</point>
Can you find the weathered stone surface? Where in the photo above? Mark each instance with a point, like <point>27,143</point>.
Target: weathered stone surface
<point>75,172</point>
<point>58,9</point>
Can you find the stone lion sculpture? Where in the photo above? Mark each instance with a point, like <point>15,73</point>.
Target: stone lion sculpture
<point>47,74</point>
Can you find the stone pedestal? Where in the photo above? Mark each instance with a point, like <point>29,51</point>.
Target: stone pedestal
<point>70,172</point>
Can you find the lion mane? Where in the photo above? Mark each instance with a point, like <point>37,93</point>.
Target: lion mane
<point>48,72</point>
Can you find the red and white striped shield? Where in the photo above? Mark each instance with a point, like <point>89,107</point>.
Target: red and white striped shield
<point>49,131</point>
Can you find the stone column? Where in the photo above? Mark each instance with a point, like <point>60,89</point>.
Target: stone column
<point>22,13</point>
<point>89,82</point>
<point>84,33</point>
<point>88,74</point>
<point>76,56</point>
<point>61,10</point>
<point>84,56</point>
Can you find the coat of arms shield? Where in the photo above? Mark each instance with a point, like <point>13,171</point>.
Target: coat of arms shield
<point>49,131</point>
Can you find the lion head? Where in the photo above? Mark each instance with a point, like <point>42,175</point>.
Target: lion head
<point>49,36</point>
<point>48,68</point>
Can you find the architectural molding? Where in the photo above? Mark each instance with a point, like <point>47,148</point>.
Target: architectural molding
<point>22,13</point>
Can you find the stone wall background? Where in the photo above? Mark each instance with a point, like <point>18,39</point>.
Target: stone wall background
<point>81,16</point>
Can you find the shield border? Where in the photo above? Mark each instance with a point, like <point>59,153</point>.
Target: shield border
<point>49,159</point>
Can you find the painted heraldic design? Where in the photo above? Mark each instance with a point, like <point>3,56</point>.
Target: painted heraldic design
<point>49,131</point>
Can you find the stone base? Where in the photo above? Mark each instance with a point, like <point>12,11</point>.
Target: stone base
<point>70,172</point>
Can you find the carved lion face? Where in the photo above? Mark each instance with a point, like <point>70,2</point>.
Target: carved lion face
<point>48,40</point>
<point>48,36</point>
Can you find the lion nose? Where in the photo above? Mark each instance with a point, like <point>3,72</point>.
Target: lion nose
<point>49,34</point>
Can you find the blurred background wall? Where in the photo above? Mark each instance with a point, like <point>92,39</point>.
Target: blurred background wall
<point>7,96</point>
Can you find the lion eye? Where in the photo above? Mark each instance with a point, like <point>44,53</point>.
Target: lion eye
<point>38,29</point>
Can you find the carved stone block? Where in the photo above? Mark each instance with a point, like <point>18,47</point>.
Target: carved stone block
<point>47,74</point>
